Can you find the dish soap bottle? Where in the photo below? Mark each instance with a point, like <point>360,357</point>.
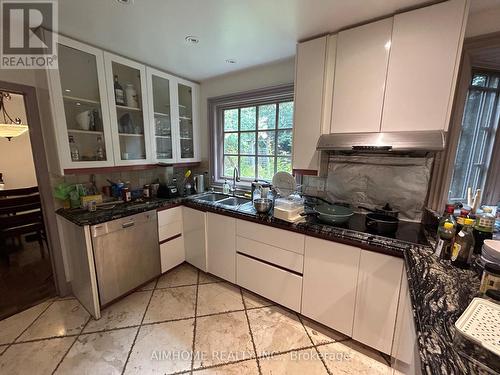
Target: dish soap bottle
<point>464,244</point>
<point>225,187</point>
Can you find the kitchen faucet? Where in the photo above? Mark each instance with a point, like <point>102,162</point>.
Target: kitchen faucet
<point>236,178</point>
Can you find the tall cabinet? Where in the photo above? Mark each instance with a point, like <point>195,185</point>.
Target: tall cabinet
<point>80,107</point>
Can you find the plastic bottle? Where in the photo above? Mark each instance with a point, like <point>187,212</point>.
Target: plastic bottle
<point>225,188</point>
<point>463,245</point>
<point>483,229</point>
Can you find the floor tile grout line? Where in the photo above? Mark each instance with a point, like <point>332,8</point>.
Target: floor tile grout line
<point>223,364</point>
<point>29,325</point>
<point>138,329</point>
<point>315,347</point>
<point>72,344</point>
<point>193,346</point>
<point>250,331</point>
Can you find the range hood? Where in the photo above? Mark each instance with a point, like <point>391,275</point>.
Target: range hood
<point>383,142</point>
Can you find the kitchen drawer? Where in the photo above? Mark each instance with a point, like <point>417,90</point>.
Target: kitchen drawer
<point>274,283</point>
<point>272,254</point>
<point>283,239</point>
<point>169,230</point>
<point>169,216</point>
<point>172,253</point>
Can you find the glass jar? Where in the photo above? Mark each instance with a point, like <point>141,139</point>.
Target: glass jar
<point>490,278</point>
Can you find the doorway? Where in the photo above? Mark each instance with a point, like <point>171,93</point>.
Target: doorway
<point>26,272</point>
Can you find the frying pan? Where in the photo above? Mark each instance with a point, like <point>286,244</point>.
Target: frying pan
<point>331,213</point>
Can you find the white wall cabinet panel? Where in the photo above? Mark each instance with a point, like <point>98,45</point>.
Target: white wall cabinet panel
<point>194,237</point>
<point>130,119</point>
<point>221,246</point>
<point>329,286</point>
<point>271,282</point>
<point>377,294</point>
<point>360,74</point>
<point>308,102</point>
<point>80,106</point>
<point>423,66</point>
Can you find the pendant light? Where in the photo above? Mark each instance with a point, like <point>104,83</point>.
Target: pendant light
<point>9,127</point>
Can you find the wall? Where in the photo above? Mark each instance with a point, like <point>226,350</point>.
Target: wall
<point>16,158</point>
<point>268,75</point>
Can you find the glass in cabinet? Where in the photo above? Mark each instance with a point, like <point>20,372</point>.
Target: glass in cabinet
<point>81,107</point>
<point>128,111</point>
<point>187,131</point>
<point>160,112</point>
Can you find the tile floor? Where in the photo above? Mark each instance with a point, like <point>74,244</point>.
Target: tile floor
<point>156,329</point>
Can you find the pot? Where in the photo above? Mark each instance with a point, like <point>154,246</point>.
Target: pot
<point>381,223</point>
<point>331,213</point>
<point>386,210</point>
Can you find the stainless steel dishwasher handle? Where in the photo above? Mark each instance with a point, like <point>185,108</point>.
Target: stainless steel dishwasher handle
<point>128,225</point>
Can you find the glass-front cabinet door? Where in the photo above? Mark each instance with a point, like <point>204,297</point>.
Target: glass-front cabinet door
<point>127,93</point>
<point>161,92</point>
<point>187,106</point>
<point>80,103</point>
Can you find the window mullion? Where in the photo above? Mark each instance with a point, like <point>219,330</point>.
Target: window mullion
<point>256,169</point>
<point>276,139</point>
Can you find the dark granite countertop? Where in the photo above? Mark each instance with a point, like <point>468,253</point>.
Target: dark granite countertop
<point>439,291</point>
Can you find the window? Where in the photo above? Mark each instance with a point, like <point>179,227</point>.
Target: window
<point>253,132</point>
<point>477,136</point>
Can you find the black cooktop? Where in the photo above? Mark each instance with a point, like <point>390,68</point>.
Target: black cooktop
<point>407,230</point>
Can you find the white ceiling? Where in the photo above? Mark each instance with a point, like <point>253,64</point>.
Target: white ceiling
<point>252,32</point>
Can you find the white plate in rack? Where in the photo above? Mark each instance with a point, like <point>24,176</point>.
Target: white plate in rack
<point>480,323</point>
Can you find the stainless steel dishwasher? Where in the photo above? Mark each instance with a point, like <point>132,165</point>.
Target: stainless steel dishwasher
<point>126,254</point>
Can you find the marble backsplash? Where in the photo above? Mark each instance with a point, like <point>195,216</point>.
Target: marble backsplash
<point>371,181</point>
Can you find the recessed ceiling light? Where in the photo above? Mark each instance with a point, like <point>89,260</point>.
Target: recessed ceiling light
<point>191,39</point>
<point>231,61</point>
<point>126,2</point>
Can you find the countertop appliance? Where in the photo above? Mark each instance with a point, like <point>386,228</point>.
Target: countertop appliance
<point>126,254</point>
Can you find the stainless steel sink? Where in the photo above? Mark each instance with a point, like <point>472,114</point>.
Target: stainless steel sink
<point>212,197</point>
<point>233,201</point>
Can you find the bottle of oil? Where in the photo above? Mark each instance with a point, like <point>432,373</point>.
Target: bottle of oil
<point>483,229</point>
<point>463,245</point>
<point>446,234</point>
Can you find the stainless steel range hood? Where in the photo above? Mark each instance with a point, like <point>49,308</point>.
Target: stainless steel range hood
<point>384,142</point>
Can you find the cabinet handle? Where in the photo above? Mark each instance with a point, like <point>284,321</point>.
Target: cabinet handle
<point>128,225</point>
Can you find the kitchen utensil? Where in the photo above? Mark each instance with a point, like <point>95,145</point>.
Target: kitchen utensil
<point>199,183</point>
<point>284,183</point>
<point>83,120</point>
<point>385,210</point>
<point>331,213</point>
<point>263,205</point>
<point>381,223</point>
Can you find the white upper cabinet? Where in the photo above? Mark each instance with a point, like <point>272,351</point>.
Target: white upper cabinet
<point>185,115</point>
<point>423,66</point>
<point>161,95</point>
<point>360,74</point>
<point>80,107</point>
<point>310,81</point>
<point>127,96</point>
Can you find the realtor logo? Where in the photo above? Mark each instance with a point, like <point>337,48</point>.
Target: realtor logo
<point>28,34</point>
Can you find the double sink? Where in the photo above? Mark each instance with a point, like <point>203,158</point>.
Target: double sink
<point>232,202</point>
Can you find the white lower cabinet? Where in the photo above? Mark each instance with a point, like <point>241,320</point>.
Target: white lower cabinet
<point>405,351</point>
<point>172,253</point>
<point>221,246</point>
<point>329,288</point>
<point>269,281</point>
<point>170,236</point>
<point>377,295</point>
<point>194,237</point>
